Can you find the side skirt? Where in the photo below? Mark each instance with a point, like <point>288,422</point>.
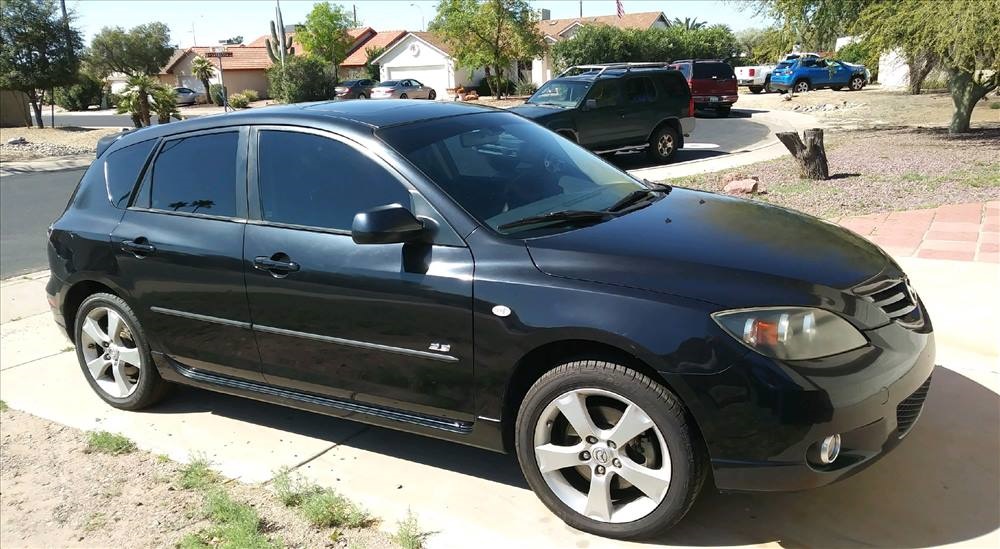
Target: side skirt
<point>482,434</point>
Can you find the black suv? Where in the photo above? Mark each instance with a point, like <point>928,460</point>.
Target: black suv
<point>461,272</point>
<point>617,107</point>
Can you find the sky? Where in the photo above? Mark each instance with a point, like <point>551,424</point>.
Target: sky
<point>209,21</point>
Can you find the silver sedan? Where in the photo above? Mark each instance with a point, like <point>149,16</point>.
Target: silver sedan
<point>186,96</point>
<point>406,88</point>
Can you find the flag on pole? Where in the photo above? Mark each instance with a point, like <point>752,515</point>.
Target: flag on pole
<point>621,9</point>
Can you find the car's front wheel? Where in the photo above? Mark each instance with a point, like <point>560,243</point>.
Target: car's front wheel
<point>362,96</point>
<point>663,144</point>
<point>114,355</point>
<point>403,96</point>
<point>857,83</point>
<point>608,450</point>
<point>432,96</point>
<point>802,86</point>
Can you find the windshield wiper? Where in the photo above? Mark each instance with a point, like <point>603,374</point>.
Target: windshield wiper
<point>561,216</point>
<point>639,194</point>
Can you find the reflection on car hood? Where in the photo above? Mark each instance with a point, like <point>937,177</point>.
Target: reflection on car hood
<point>535,112</point>
<point>713,248</point>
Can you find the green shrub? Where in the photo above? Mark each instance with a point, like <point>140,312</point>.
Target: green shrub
<point>526,87</point>
<point>489,86</point>
<point>409,535</point>
<point>104,442</point>
<point>234,524</point>
<point>303,78</point>
<point>197,473</point>
<point>216,94</point>
<point>327,508</point>
<point>995,105</point>
<point>251,95</point>
<point>239,101</point>
<point>607,44</point>
<point>85,92</point>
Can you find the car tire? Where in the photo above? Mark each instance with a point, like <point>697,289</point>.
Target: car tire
<point>663,144</point>
<point>603,390</point>
<point>432,96</point>
<point>403,96</point>
<point>114,354</point>
<point>362,96</point>
<point>767,84</point>
<point>723,112</point>
<point>857,83</point>
<point>836,88</point>
<point>756,89</point>
<point>801,86</point>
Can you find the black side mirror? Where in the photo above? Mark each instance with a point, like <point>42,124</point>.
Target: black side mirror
<point>387,225</point>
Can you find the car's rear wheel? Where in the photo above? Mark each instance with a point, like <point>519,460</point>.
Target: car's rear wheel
<point>403,96</point>
<point>663,144</point>
<point>113,354</point>
<point>608,450</point>
<point>432,96</point>
<point>836,88</point>
<point>362,96</point>
<point>756,89</point>
<point>857,83</point>
<point>802,86</point>
<point>724,111</point>
<point>767,84</point>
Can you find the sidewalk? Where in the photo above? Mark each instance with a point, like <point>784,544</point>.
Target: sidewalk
<point>51,164</point>
<point>938,488</point>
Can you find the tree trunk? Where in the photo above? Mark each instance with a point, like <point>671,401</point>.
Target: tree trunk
<point>965,92</point>
<point>811,155</point>
<point>36,106</point>
<point>920,66</point>
<point>208,94</point>
<point>144,109</point>
<point>497,82</point>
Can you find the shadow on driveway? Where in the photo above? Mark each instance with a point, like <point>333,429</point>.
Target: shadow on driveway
<point>938,487</point>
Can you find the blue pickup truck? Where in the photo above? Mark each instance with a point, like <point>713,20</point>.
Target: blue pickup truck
<point>809,73</point>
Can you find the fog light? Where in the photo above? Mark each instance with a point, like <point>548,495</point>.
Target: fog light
<point>828,450</point>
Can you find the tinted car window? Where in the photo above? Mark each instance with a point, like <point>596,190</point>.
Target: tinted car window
<point>717,70</point>
<point>311,180</point>
<point>676,86</point>
<point>196,175</point>
<point>122,169</point>
<point>605,92</point>
<point>640,90</point>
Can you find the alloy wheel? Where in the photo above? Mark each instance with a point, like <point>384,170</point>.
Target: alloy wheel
<point>802,87</point>
<point>602,455</point>
<point>857,84</point>
<point>665,145</point>
<point>111,354</point>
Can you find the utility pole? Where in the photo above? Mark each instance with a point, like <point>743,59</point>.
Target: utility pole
<point>581,9</point>
<point>355,6</point>
<point>194,37</point>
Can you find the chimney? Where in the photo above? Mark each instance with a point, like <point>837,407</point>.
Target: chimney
<point>545,14</point>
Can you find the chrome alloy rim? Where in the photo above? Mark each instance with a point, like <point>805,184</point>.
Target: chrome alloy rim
<point>802,87</point>
<point>665,145</point>
<point>110,352</point>
<point>856,84</point>
<point>602,455</point>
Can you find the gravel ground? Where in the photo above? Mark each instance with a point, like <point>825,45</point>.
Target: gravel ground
<point>55,495</point>
<point>48,142</point>
<point>879,171</point>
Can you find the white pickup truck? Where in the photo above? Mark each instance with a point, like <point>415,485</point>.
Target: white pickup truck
<point>758,77</point>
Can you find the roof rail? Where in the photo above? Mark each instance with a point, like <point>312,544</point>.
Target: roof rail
<point>602,67</point>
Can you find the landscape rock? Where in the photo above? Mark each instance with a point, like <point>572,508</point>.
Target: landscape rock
<point>17,141</point>
<point>742,186</point>
<point>736,176</point>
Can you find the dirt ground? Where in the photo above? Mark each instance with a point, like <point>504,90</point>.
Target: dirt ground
<point>873,107</point>
<point>53,494</point>
<point>47,142</point>
<point>880,170</point>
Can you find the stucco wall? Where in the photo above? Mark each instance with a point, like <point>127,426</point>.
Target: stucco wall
<point>236,80</point>
<point>14,109</point>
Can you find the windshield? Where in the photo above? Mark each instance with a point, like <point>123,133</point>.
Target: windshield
<point>561,93</point>
<point>784,65</point>
<point>350,83</point>
<point>503,168</point>
<point>388,84</point>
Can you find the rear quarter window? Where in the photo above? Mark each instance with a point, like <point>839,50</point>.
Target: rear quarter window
<point>195,174</point>
<point>122,169</point>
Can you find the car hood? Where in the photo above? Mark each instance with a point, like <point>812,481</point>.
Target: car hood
<point>718,249</point>
<point>535,112</point>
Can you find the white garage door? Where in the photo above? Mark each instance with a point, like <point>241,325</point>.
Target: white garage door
<point>435,76</point>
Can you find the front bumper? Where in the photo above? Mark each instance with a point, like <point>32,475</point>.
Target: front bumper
<point>760,417</point>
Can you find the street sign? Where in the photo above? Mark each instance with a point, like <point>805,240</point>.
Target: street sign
<point>219,54</point>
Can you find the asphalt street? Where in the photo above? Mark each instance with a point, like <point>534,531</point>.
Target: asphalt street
<point>30,202</point>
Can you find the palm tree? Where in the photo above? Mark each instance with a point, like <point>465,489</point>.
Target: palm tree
<point>135,99</point>
<point>203,69</point>
<point>165,104</point>
<point>688,23</point>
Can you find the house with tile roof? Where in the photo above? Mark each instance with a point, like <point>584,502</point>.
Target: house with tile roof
<point>245,69</point>
<point>425,57</point>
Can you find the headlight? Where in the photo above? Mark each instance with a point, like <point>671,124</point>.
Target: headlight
<point>791,333</point>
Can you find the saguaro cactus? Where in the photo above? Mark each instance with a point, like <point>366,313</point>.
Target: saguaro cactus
<point>280,44</point>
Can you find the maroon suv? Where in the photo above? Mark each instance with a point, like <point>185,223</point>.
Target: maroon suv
<point>713,83</point>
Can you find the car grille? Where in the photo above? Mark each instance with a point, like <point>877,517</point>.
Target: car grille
<point>896,298</point>
<point>909,410</point>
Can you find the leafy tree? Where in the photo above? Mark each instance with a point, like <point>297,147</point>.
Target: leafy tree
<point>607,44</point>
<point>688,23</point>
<point>861,52</point>
<point>489,33</point>
<point>37,49</point>
<point>815,23</point>
<point>373,69</point>
<point>324,34</point>
<point>141,50</point>
<point>303,78</point>
<point>235,40</point>
<point>961,35</point>
<point>83,93</point>
<point>203,69</point>
<point>765,46</point>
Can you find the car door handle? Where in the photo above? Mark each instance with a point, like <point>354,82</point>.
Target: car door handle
<point>140,247</point>
<point>279,265</point>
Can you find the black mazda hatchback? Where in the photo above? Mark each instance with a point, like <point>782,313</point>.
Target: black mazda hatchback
<point>463,273</point>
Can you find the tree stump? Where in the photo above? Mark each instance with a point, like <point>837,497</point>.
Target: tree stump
<point>811,155</point>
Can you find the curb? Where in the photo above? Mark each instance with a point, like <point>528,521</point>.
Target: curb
<point>50,164</point>
<point>26,277</point>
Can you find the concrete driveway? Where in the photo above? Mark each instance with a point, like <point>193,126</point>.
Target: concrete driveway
<point>939,487</point>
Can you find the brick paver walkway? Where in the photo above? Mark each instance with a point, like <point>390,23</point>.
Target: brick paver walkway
<point>964,232</point>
